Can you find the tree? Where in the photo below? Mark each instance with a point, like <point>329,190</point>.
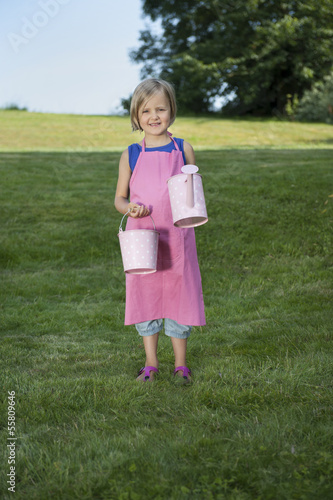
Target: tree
<point>256,51</point>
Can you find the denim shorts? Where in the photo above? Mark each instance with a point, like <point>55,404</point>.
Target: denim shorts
<point>171,327</point>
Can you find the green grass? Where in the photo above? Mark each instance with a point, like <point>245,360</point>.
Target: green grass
<point>256,423</point>
<point>22,131</point>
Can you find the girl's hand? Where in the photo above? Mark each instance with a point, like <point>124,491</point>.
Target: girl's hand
<point>138,210</point>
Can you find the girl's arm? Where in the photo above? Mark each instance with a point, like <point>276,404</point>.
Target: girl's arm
<point>189,153</point>
<point>122,192</point>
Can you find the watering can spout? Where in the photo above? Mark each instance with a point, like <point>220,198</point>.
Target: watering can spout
<point>189,170</point>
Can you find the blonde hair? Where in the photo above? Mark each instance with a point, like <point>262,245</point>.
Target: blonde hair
<point>144,91</point>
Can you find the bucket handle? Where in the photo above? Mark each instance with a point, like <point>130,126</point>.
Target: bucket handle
<point>128,211</point>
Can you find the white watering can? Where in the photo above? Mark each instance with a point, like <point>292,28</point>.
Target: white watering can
<point>187,198</point>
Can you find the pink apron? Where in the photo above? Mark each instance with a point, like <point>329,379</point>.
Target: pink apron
<point>175,290</point>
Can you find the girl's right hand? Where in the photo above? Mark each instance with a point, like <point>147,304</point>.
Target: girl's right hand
<point>138,210</point>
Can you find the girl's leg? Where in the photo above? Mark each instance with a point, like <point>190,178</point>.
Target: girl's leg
<point>150,343</point>
<point>179,335</point>
<point>149,330</point>
<point>179,349</point>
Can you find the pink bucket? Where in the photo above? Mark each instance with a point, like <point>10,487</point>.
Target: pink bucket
<point>187,198</point>
<point>138,249</point>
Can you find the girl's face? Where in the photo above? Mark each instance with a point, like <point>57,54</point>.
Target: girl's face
<point>154,115</point>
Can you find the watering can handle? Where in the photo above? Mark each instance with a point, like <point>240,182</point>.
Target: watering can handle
<point>189,191</point>
<point>128,211</point>
<point>189,170</point>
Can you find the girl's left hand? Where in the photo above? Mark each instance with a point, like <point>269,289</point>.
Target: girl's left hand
<point>138,210</point>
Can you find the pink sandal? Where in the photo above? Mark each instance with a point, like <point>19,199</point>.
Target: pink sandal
<point>186,372</point>
<point>147,370</point>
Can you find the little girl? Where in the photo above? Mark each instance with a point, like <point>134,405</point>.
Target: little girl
<point>174,291</point>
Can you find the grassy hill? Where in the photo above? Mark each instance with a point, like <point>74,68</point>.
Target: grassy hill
<point>23,131</point>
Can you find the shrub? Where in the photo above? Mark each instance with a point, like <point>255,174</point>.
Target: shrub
<point>316,104</point>
<point>14,107</point>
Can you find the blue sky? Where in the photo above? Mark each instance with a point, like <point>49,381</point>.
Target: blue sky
<point>68,56</point>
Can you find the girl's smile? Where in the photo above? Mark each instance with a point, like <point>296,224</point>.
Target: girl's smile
<point>154,115</point>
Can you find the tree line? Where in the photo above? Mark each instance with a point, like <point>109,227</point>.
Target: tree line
<point>259,56</point>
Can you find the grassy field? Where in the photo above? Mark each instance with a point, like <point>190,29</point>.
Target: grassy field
<point>257,421</point>
<point>76,133</point>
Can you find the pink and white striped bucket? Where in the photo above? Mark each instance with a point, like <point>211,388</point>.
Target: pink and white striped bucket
<point>187,198</point>
<point>139,249</point>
